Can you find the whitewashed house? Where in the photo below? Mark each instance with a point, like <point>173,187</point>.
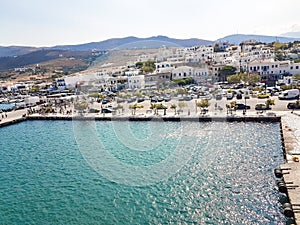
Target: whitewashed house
<point>197,73</point>
<point>136,82</point>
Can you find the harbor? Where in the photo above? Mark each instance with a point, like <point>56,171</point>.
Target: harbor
<point>289,130</point>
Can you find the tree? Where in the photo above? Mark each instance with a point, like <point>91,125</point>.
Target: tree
<point>173,106</point>
<point>203,105</point>
<point>227,71</point>
<point>81,106</point>
<point>134,108</point>
<point>234,79</point>
<point>156,107</point>
<point>253,78</point>
<point>184,81</point>
<point>139,65</point>
<point>270,102</point>
<point>231,107</point>
<point>296,77</point>
<point>181,105</point>
<point>238,78</point>
<point>146,67</point>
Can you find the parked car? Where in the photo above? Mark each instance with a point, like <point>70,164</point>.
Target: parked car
<point>107,110</point>
<point>160,99</point>
<point>229,96</point>
<point>187,98</point>
<point>140,100</point>
<point>105,101</point>
<point>167,99</point>
<point>239,96</point>
<point>294,105</point>
<point>218,97</point>
<point>131,100</point>
<point>261,106</point>
<point>153,99</point>
<point>262,95</point>
<point>242,106</point>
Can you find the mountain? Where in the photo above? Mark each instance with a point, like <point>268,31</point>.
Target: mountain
<point>238,38</point>
<point>134,42</point>
<point>291,34</point>
<point>16,50</point>
<point>41,56</point>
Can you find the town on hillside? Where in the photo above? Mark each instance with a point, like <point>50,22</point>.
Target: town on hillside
<point>168,72</point>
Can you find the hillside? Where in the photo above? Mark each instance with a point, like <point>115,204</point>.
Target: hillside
<point>41,56</point>
<point>238,38</point>
<point>136,43</point>
<point>15,50</point>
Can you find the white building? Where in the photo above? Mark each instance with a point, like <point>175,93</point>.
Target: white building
<point>136,82</point>
<point>270,67</point>
<point>197,73</point>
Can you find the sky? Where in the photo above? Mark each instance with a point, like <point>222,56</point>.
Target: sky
<point>59,22</point>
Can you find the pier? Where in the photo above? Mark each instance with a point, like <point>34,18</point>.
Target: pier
<point>289,172</point>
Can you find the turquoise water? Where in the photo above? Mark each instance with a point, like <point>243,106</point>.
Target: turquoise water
<point>139,173</point>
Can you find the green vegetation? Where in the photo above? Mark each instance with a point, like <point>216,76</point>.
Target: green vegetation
<point>203,103</point>
<point>134,108</point>
<point>297,60</point>
<point>238,78</point>
<point>156,107</point>
<point>81,106</point>
<point>291,86</point>
<point>173,106</point>
<point>146,67</point>
<point>270,102</point>
<point>184,81</point>
<point>96,95</point>
<point>231,107</point>
<point>296,77</point>
<point>34,89</point>
<point>280,46</point>
<point>227,71</point>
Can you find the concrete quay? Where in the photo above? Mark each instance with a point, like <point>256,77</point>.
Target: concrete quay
<point>290,170</point>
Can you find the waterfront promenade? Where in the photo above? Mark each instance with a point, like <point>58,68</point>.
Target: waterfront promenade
<point>291,169</point>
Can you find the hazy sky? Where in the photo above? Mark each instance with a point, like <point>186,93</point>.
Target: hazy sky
<point>54,22</point>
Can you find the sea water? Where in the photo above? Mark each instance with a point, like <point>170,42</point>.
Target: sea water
<point>86,172</point>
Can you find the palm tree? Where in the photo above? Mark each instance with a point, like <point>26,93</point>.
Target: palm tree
<point>134,107</point>
<point>173,106</point>
<point>231,107</point>
<point>270,102</point>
